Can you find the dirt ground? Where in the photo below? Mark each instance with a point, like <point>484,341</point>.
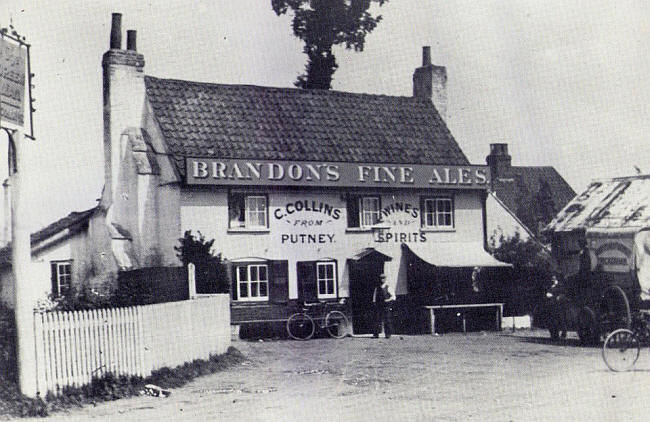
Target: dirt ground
<point>475,377</point>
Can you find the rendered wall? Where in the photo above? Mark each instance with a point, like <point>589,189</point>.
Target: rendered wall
<point>314,234</point>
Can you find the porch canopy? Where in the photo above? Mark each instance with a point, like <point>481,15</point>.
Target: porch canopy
<point>454,254</point>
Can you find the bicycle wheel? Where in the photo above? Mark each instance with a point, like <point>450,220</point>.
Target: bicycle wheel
<point>621,350</point>
<point>300,326</point>
<point>336,324</point>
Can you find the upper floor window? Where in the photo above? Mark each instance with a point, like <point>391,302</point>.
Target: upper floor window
<point>248,211</point>
<point>252,282</point>
<point>61,277</point>
<point>438,213</point>
<point>363,211</point>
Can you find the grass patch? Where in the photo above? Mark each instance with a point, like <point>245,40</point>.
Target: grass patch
<point>110,387</point>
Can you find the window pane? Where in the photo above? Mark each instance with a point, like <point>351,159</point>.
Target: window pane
<point>254,292</point>
<point>263,289</point>
<point>330,287</point>
<point>321,287</point>
<point>321,271</point>
<point>262,273</point>
<point>242,274</point>
<point>253,270</point>
<point>243,292</point>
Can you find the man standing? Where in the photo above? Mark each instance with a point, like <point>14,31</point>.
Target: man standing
<point>380,304</point>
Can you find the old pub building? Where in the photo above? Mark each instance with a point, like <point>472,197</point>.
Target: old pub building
<point>310,195</point>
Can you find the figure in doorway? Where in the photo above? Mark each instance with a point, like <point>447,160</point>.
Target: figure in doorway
<point>382,298</point>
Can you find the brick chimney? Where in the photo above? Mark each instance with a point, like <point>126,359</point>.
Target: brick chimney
<point>499,161</point>
<point>430,82</point>
<point>124,95</point>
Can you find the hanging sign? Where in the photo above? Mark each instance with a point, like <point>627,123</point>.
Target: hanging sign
<point>12,82</point>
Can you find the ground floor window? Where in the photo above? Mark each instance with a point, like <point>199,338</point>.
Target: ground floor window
<point>317,280</point>
<point>252,282</point>
<point>61,277</point>
<point>326,279</point>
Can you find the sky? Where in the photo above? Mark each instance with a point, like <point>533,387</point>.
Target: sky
<point>562,83</point>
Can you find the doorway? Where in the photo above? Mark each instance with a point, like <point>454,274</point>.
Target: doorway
<point>364,276</point>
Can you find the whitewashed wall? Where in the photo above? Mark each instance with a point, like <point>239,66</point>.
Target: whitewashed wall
<point>501,221</point>
<point>206,210</point>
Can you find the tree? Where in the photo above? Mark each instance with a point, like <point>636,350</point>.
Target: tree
<point>209,267</point>
<point>531,274</point>
<point>322,24</point>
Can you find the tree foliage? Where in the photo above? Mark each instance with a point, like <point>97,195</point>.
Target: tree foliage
<point>531,274</point>
<point>322,24</point>
<point>209,267</point>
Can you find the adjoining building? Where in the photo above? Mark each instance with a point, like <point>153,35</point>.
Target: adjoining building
<point>531,194</point>
<point>310,194</point>
<point>61,258</point>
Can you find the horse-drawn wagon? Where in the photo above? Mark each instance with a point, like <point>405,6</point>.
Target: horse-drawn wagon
<point>601,242</point>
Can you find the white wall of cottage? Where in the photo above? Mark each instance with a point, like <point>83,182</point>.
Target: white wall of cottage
<point>313,235</point>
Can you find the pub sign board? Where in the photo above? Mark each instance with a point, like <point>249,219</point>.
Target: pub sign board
<point>208,171</point>
<point>12,82</point>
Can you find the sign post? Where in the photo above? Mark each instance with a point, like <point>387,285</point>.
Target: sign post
<point>14,65</point>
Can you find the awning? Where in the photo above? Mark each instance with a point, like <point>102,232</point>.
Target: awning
<point>455,254</point>
<point>370,252</point>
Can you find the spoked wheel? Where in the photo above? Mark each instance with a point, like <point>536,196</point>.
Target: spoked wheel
<point>621,350</point>
<point>615,309</point>
<point>336,324</point>
<point>588,330</point>
<point>300,326</point>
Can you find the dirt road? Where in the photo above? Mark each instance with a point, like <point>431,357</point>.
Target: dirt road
<point>456,377</point>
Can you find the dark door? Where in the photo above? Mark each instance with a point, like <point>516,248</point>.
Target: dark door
<point>364,276</point>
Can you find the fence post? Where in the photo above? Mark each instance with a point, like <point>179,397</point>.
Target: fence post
<point>191,279</point>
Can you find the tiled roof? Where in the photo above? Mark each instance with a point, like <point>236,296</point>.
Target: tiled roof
<point>73,221</point>
<point>518,194</point>
<point>253,122</point>
<point>619,203</point>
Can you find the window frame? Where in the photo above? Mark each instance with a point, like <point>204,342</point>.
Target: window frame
<point>246,211</point>
<point>61,289</point>
<point>334,279</point>
<point>436,213</point>
<point>357,201</point>
<point>248,281</point>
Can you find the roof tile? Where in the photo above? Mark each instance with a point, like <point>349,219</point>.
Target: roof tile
<point>246,122</point>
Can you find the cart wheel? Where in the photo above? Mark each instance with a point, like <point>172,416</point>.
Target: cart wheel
<point>588,331</point>
<point>615,309</point>
<point>621,350</point>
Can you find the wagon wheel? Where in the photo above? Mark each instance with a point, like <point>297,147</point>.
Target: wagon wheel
<point>588,330</point>
<point>615,310</point>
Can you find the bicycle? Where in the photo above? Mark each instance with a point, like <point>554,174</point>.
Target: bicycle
<point>302,326</point>
<point>622,347</point>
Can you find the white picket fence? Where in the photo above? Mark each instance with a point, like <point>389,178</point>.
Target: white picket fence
<point>74,347</point>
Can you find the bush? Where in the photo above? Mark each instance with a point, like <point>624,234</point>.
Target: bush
<point>8,368</point>
<point>209,267</point>
<point>531,275</point>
